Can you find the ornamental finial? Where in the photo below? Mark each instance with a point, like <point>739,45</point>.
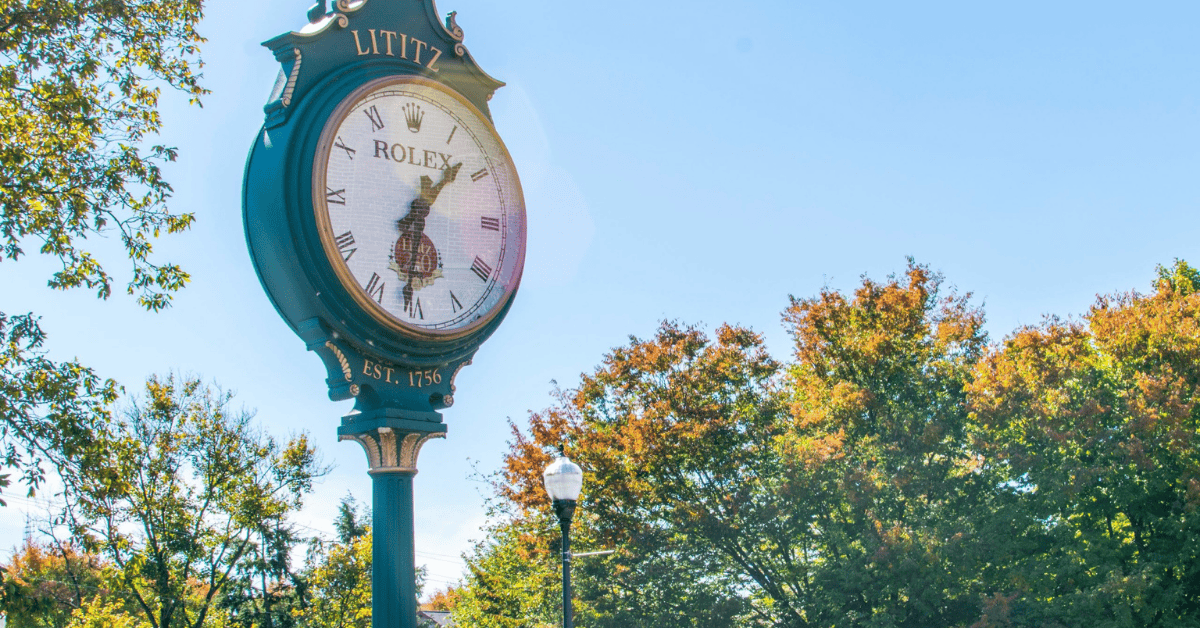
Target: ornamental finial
<point>317,11</point>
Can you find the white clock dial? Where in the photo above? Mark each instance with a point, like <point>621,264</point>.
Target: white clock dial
<point>420,207</point>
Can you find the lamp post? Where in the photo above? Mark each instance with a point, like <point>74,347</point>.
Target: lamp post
<point>563,480</point>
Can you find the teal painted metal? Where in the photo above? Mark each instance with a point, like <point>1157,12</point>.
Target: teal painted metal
<point>399,383</point>
<point>393,558</point>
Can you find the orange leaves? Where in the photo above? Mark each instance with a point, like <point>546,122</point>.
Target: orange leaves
<point>1038,371</point>
<point>899,466</point>
<point>884,328</point>
<point>811,451</point>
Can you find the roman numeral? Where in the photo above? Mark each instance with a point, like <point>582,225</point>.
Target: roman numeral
<point>455,304</point>
<point>376,119</point>
<point>451,134</point>
<point>337,197</point>
<point>481,269</point>
<point>414,309</point>
<point>349,151</point>
<point>375,288</point>
<point>480,174</point>
<point>486,222</point>
<point>344,242</point>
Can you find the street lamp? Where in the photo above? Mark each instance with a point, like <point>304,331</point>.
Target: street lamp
<point>563,480</point>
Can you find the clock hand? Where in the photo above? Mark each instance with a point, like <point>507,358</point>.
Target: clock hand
<point>412,226</point>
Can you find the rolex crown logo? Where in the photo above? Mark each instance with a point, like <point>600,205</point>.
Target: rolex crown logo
<point>413,116</point>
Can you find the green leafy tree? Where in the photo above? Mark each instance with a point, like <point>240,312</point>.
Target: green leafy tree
<point>265,590</point>
<point>511,580</point>
<point>338,574</point>
<point>340,582</point>
<point>178,505</point>
<point>1097,421</point>
<point>902,516</point>
<point>80,84</point>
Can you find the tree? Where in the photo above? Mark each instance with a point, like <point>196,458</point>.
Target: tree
<point>178,504</point>
<point>43,584</point>
<point>840,489</point>
<point>903,519</point>
<point>900,471</point>
<point>79,92</point>
<point>340,581</point>
<point>511,581</point>
<point>1097,422</point>
<point>677,436</point>
<point>338,574</point>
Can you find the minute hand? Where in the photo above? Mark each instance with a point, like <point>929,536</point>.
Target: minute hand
<point>412,226</point>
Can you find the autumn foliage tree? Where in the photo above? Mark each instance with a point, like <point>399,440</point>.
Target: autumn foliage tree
<point>899,471</point>
<point>43,584</point>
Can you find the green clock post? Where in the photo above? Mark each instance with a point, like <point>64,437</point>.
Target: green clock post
<point>385,220</point>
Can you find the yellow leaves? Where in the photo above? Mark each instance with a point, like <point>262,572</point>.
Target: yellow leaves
<point>101,612</point>
<point>78,94</point>
<point>810,452</point>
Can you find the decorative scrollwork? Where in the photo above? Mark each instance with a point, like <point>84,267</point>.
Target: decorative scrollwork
<point>460,50</point>
<point>370,446</point>
<point>342,361</point>
<point>347,6</point>
<point>385,454</point>
<point>452,26</point>
<point>286,98</point>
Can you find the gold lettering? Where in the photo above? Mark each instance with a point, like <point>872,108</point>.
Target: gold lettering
<point>417,43</point>
<point>436,55</point>
<point>378,372</point>
<point>374,43</point>
<point>421,379</point>
<point>389,36</point>
<point>403,46</point>
<point>412,152</point>
<point>428,159</point>
<point>358,44</point>
<point>401,157</point>
<point>389,375</point>
<point>367,368</point>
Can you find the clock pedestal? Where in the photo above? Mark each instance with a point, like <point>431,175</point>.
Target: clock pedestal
<point>392,445</point>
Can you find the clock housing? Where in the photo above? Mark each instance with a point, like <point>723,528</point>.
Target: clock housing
<point>374,354</point>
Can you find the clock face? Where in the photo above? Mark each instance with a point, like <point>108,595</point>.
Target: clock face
<point>419,207</point>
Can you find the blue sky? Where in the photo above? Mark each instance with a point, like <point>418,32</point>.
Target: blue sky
<point>698,161</point>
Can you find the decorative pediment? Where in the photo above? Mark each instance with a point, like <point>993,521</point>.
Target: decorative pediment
<point>386,33</point>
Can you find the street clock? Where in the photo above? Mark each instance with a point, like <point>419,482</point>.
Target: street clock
<point>385,219</point>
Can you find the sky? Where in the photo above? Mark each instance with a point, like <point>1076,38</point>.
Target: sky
<point>694,161</point>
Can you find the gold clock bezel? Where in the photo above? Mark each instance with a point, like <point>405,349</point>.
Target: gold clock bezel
<point>325,229</point>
